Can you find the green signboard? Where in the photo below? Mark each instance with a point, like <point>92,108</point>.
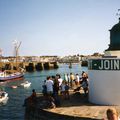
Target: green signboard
<point>104,64</point>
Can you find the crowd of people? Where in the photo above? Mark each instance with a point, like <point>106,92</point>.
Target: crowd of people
<point>55,85</point>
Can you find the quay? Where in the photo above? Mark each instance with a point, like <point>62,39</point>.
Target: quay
<point>76,108</point>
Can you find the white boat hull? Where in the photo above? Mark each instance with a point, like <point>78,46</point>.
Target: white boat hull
<point>12,76</point>
<point>3,98</point>
<point>26,84</point>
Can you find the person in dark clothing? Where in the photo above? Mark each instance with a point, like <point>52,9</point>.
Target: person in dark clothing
<point>55,86</point>
<point>31,100</point>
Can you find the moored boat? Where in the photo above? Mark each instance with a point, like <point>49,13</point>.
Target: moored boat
<point>26,84</point>
<point>3,97</point>
<point>14,86</point>
<point>11,76</point>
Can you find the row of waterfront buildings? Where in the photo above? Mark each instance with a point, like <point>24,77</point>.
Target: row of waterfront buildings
<point>43,59</point>
<point>38,63</point>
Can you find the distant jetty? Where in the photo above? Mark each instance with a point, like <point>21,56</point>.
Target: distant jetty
<point>29,66</point>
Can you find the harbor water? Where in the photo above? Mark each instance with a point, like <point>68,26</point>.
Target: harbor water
<point>13,109</point>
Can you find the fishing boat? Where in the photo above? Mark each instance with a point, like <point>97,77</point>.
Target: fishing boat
<point>26,84</point>
<point>4,76</point>
<point>13,74</point>
<point>3,97</point>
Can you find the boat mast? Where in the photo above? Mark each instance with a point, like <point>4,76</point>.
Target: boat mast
<point>16,46</point>
<point>0,59</point>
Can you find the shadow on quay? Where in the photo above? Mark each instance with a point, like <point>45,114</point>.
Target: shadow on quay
<point>37,112</point>
<point>76,99</point>
<point>40,114</point>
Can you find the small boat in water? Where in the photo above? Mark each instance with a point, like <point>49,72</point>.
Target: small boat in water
<point>5,75</point>
<point>70,65</point>
<point>26,84</point>
<point>14,86</point>
<point>3,97</point>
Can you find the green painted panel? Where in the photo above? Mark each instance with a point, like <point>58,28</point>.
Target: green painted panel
<point>104,64</point>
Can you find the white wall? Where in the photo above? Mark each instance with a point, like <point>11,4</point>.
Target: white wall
<point>104,87</point>
<point>112,53</point>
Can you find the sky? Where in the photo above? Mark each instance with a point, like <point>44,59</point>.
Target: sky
<point>56,27</point>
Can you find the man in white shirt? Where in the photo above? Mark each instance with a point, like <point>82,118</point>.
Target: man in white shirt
<point>49,85</point>
<point>60,80</point>
<point>77,78</point>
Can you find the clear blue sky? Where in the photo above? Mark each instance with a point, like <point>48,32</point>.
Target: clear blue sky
<point>57,27</point>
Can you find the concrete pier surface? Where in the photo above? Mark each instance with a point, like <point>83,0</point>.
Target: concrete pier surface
<point>76,108</point>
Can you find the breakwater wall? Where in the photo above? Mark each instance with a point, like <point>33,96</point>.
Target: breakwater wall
<point>29,66</point>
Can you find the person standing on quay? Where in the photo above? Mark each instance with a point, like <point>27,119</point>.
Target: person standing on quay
<point>72,78</point>
<point>49,86</point>
<point>67,91</point>
<point>68,76</point>
<point>65,77</point>
<point>84,83</point>
<point>77,78</point>
<point>55,86</point>
<point>59,79</point>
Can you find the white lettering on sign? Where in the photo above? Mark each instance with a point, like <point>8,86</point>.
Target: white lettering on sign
<point>101,67</point>
<point>106,64</point>
<point>116,64</point>
<point>109,65</point>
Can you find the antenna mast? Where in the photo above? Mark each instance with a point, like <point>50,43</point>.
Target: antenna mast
<point>118,13</point>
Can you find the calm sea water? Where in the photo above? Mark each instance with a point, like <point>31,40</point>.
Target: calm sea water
<point>13,109</point>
